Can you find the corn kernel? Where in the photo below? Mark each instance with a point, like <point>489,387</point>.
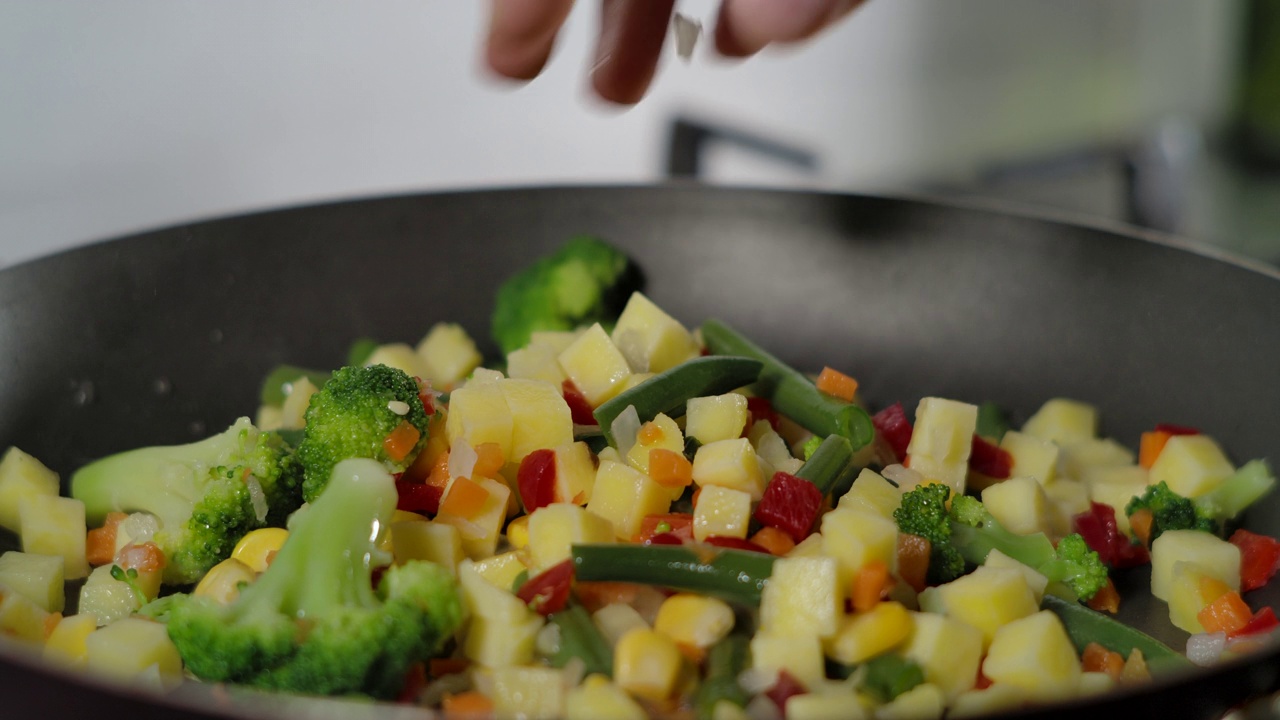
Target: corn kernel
<point>646,664</point>
<point>518,533</point>
<point>222,582</point>
<point>255,548</point>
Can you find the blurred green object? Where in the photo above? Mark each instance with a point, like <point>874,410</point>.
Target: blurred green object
<point>1258,130</point>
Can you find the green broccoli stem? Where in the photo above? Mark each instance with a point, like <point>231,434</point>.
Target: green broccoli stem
<point>580,638</point>
<point>1245,487</point>
<point>827,463</point>
<point>975,543</point>
<point>791,393</point>
<point>273,385</point>
<point>1086,626</point>
<point>725,662</point>
<point>667,392</point>
<point>736,576</point>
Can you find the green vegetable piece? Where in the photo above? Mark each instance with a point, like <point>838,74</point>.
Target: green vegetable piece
<point>357,640</point>
<point>360,351</point>
<point>586,281</point>
<point>992,422</point>
<point>351,417</point>
<point>275,383</point>
<point>521,578</point>
<point>667,392</point>
<point>791,393</point>
<point>725,662</point>
<point>129,577</point>
<point>1084,626</point>
<point>1246,486</point>
<point>923,512</point>
<point>200,492</point>
<point>827,463</point>
<point>1170,511</point>
<point>580,638</point>
<point>737,576</point>
<point>890,675</point>
<point>811,446</point>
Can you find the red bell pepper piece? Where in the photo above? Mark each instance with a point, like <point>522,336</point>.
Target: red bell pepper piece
<point>536,479</point>
<point>415,680</point>
<point>790,504</point>
<point>548,591</point>
<point>1259,558</point>
<point>784,689</point>
<point>1101,533</point>
<point>1176,429</point>
<point>990,459</point>
<point>893,426</point>
<point>734,543</point>
<point>579,408</point>
<point>664,538</point>
<point>418,497</point>
<point>679,525</point>
<point>761,409</point>
<point>1262,621</point>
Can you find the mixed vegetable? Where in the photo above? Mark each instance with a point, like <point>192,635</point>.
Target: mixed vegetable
<point>622,518</point>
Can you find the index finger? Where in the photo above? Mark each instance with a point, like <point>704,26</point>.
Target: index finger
<point>521,35</point>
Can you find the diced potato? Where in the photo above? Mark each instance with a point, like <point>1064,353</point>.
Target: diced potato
<point>66,644</point>
<point>1063,421</point>
<point>1192,465</point>
<point>988,598</point>
<point>222,582</point>
<point>922,702</point>
<point>595,365</point>
<point>1210,554</point>
<point>948,650</point>
<point>1034,653</point>
<point>694,620</point>
<point>1187,596</point>
<point>799,655</point>
<point>1116,486</point>
<point>941,441</point>
<point>651,340</point>
<point>597,698</point>
<point>21,618</point>
<point>855,537</point>
<point>617,619</point>
<point>480,532</point>
<point>447,355</point>
<point>478,413</point>
<point>536,361</point>
<point>993,699</point>
<point>37,577</point>
<point>495,642</point>
<point>870,492</point>
<point>540,417</point>
<point>824,706</point>
<point>729,464</point>
<point>803,597</point>
<point>865,635</point>
<point>808,547</point>
<point>502,569</point>
<point>557,340</point>
<point>269,417</point>
<point>257,547</point>
<point>1020,505</point>
<point>716,417</point>
<point>127,648</point>
<point>294,407</point>
<point>54,525</point>
<point>106,598</point>
<point>646,664</point>
<point>529,693</point>
<point>624,496</point>
<point>1095,683</point>
<point>397,355</point>
<point>1067,498</point>
<point>554,528</point>
<point>666,436</point>
<point>1032,457</point>
<point>1035,580</point>
<point>721,511</point>
<point>436,542</point>
<point>575,474</point>
<point>1079,457</point>
<point>22,476</point>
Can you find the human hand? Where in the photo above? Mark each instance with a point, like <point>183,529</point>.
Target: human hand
<point>522,33</point>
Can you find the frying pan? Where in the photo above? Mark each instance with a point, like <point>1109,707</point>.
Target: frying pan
<point>163,337</point>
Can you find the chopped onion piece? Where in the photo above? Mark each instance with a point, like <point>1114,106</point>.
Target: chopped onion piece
<point>1205,649</point>
<point>625,427</point>
<point>756,681</point>
<point>905,477</point>
<point>257,498</point>
<point>548,640</point>
<point>462,460</point>
<point>762,707</point>
<point>398,407</point>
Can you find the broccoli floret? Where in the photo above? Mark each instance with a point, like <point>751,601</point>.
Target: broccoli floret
<point>923,512</point>
<point>584,282</point>
<point>205,495</point>
<point>313,622</point>
<point>353,415</point>
<point>1169,511</point>
<point>1245,487</point>
<point>975,533</point>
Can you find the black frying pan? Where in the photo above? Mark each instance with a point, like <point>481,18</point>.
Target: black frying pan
<point>163,337</point>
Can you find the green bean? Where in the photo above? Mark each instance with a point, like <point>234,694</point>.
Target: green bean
<point>667,392</point>
<point>725,662</point>
<point>1085,626</point>
<point>273,386</point>
<point>791,393</point>
<point>827,463</point>
<point>580,638</point>
<point>737,576</point>
<point>890,675</point>
<point>992,423</point>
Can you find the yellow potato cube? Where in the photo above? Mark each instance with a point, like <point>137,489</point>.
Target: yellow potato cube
<point>1079,457</point>
<point>618,619</point>
<point>865,635</point>
<point>799,655</point>
<point>66,644</point>
<point>988,598</point>
<point>1116,486</point>
<point>870,492</point>
<point>729,464</point>
<point>667,437</point>
<point>1095,683</point>
<point>1071,496</point>
<point>646,664</point>
<point>575,474</point>
<point>554,528</point>
<point>447,354</point>
<point>485,599</point>
<point>721,511</point>
<point>941,441</point>
<point>624,496</point>
<point>802,597</point>
<point>501,569</point>
<point>494,642</point>
<point>948,650</point>
<point>598,698</point>
<point>1208,553</point>
<point>1034,653</point>
<point>54,525</point>
<point>480,532</point>
<point>1063,421</point>
<point>824,706</point>
<point>856,537</point>
<point>22,476</point>
<point>922,702</point>
<point>294,408</point>
<point>1192,465</point>
<point>1035,580</point>
<point>809,547</point>
<point>478,413</point>
<point>557,340</point>
<point>1032,457</point>
<point>1187,597</point>
<point>128,647</point>
<point>529,693</point>
<point>435,542</point>
<point>535,361</point>
<point>36,577</point>
<point>397,355</point>
<point>694,620</point>
<point>716,417</point>
<point>540,417</point>
<point>21,618</point>
<point>1019,504</point>
<point>269,417</point>
<point>106,598</point>
<point>650,339</point>
<point>595,365</point>
<point>980,703</point>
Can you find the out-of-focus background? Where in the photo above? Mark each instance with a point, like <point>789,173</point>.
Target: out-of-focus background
<point>130,114</point>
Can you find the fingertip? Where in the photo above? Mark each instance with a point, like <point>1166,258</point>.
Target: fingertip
<point>744,27</point>
<point>522,34</point>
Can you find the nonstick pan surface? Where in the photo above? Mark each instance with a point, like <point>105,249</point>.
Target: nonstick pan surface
<point>163,337</point>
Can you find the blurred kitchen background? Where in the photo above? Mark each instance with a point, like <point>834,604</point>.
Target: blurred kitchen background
<point>123,115</point>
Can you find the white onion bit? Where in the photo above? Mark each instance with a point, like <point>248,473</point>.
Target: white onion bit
<point>625,427</point>
<point>462,460</point>
<point>905,477</point>
<point>257,498</point>
<point>398,407</point>
<point>1205,649</point>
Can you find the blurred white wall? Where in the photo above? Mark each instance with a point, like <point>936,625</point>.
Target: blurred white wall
<point>120,115</point>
